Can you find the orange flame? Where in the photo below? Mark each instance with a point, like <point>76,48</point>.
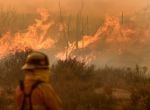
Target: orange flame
<point>112,29</point>
<point>35,38</point>
<point>113,33</point>
<point>112,37</point>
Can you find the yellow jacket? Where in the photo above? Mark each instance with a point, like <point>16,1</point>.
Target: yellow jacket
<point>43,96</point>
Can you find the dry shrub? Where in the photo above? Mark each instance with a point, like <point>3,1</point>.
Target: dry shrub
<point>73,80</point>
<point>140,96</point>
<point>11,73</point>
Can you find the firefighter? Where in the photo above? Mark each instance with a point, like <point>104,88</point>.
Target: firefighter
<point>35,92</point>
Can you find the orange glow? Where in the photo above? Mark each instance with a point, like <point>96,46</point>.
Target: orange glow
<point>31,39</point>
<point>112,39</point>
<point>112,33</point>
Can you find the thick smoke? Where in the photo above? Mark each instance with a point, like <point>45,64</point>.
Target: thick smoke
<point>94,7</point>
<point>118,41</point>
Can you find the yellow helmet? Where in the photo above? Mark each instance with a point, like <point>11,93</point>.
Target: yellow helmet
<point>36,60</point>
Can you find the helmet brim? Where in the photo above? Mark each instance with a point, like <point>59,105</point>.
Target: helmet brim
<point>31,67</point>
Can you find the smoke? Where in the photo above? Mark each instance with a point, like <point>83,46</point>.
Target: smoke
<point>113,43</point>
<point>95,7</point>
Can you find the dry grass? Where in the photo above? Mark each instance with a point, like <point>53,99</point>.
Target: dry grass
<point>83,87</point>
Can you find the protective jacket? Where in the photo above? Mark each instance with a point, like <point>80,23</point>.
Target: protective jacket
<point>43,97</point>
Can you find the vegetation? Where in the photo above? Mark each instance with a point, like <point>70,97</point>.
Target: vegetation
<point>83,87</point>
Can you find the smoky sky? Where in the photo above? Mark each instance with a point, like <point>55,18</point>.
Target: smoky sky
<point>96,7</point>
<point>132,55</point>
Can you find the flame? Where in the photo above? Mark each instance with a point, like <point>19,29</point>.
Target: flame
<point>111,39</point>
<point>87,59</point>
<point>113,34</point>
<point>112,29</point>
<point>67,53</point>
<point>35,38</point>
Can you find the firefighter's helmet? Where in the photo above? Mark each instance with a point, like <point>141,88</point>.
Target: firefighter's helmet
<point>36,60</point>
